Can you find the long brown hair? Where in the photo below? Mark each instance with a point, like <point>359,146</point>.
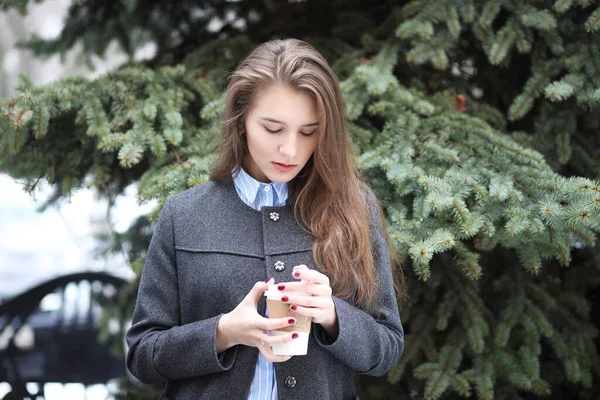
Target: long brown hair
<point>328,195</point>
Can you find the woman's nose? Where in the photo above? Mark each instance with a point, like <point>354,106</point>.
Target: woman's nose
<point>289,146</point>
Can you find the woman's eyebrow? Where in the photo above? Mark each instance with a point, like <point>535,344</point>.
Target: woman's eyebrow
<point>283,123</point>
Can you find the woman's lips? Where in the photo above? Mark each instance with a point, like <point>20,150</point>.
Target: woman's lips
<point>283,167</point>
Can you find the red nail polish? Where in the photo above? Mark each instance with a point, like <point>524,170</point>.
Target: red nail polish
<point>297,274</point>
<point>284,299</point>
<point>295,336</point>
<point>293,307</point>
<point>281,287</point>
<point>267,280</point>
<point>291,321</point>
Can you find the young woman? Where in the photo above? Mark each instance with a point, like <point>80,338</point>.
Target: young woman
<point>284,203</point>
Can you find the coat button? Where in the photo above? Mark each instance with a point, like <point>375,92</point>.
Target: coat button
<point>279,266</point>
<point>290,381</point>
<point>274,216</point>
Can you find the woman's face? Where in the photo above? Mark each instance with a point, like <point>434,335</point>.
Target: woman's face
<point>281,129</point>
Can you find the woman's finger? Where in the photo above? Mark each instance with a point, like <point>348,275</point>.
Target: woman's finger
<point>311,275</point>
<point>312,312</point>
<point>314,289</point>
<point>255,294</point>
<point>269,340</point>
<point>270,324</point>
<point>269,356</point>
<point>309,301</point>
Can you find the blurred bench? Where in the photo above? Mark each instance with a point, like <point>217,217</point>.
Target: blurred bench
<point>50,334</point>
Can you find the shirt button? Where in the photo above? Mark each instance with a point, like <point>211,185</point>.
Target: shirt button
<point>279,266</point>
<point>290,381</point>
<point>267,188</point>
<point>274,216</point>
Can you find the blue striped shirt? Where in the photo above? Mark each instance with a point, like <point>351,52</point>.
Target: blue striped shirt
<point>257,195</point>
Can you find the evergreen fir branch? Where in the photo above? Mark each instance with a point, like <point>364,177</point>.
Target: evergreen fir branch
<point>501,45</point>
<point>421,256</point>
<point>417,343</point>
<point>517,224</point>
<point>439,375</point>
<point>585,3</point>
<point>539,19</point>
<point>420,54</point>
<point>524,102</point>
<point>554,41</point>
<point>500,187</point>
<point>461,385</point>
<point>173,135</point>
<point>575,62</point>
<point>13,140</point>
<point>572,303</point>
<point>114,141</point>
<point>498,141</point>
<point>584,234</point>
<point>42,120</point>
<point>514,371</point>
<point>563,144</point>
<point>461,212</point>
<point>539,317</point>
<point>596,95</point>
<point>130,154</point>
<point>452,21</point>
<point>523,40</point>
<point>371,158</point>
<point>427,369</point>
<point>20,117</point>
<point>467,11</point>
<point>412,27</point>
<point>423,107</point>
<point>572,366</point>
<point>212,110</point>
<point>507,320</point>
<point>489,12</point>
<point>439,201</point>
<point>561,6</point>
<point>475,329</point>
<point>468,261</point>
<point>436,385</point>
<point>482,380</point>
<point>413,8</point>
<point>485,35</point>
<point>558,91</point>
<point>592,24</point>
<point>446,310</point>
<point>23,99</point>
<point>592,65</point>
<point>383,108</point>
<point>156,144</point>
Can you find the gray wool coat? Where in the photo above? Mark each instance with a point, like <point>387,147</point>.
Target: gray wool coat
<point>208,250</point>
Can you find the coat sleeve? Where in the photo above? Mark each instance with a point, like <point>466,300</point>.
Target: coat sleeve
<point>160,348</point>
<point>369,343</point>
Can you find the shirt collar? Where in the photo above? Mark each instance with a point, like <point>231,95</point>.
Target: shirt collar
<point>250,187</point>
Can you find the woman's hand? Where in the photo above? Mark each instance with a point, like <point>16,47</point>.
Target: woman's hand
<point>244,325</point>
<point>319,305</point>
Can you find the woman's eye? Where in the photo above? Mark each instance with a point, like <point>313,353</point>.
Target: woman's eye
<point>307,133</point>
<point>271,131</point>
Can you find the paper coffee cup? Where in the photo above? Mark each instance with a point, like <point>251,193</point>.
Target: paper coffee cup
<point>278,309</point>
